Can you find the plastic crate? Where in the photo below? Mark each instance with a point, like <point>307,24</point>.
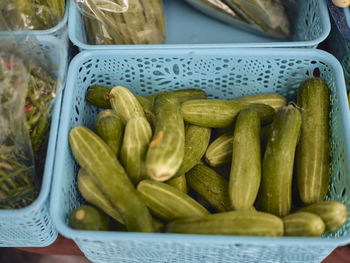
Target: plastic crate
<point>32,226</point>
<point>222,74</point>
<point>188,28</point>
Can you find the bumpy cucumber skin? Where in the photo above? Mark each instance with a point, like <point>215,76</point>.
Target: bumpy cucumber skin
<point>196,142</point>
<point>303,224</point>
<point>166,150</point>
<point>94,155</point>
<point>274,100</point>
<point>96,95</point>
<point>245,172</point>
<point>109,126</point>
<point>312,158</point>
<point>168,203</point>
<point>219,151</point>
<point>277,167</point>
<point>211,186</point>
<point>211,113</point>
<point>246,223</point>
<point>179,183</point>
<point>137,136</point>
<point>333,213</point>
<point>124,102</point>
<point>184,95</point>
<point>92,193</point>
<point>87,217</point>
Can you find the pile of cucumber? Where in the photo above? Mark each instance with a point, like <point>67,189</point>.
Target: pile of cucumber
<point>178,162</point>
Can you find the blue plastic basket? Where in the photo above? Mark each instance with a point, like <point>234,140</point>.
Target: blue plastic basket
<point>222,74</point>
<point>32,226</point>
<point>188,28</point>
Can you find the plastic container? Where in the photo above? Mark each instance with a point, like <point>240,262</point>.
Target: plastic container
<point>222,74</point>
<point>188,28</point>
<point>32,226</point>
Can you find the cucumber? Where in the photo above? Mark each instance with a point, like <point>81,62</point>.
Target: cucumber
<point>124,102</point>
<point>241,223</point>
<point>219,152</point>
<point>221,113</point>
<point>94,155</point>
<point>333,213</point>
<point>183,95</point>
<point>303,224</point>
<point>147,107</point>
<point>312,158</point>
<point>92,193</point>
<point>168,203</point>
<point>166,150</point>
<point>109,126</point>
<point>86,217</point>
<point>196,143</point>
<point>245,172</point>
<point>137,136</point>
<point>211,186</point>
<point>179,183</point>
<point>98,96</point>
<point>274,100</point>
<point>277,167</point>
<point>211,113</point>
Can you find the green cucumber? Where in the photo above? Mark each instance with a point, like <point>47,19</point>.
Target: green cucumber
<point>245,172</point>
<point>277,167</point>
<point>183,95</point>
<point>196,143</point>
<point>94,155</point>
<point>147,109</point>
<point>109,126</point>
<point>211,186</point>
<point>312,158</point>
<point>166,150</point>
<point>168,203</point>
<point>98,96</point>
<point>211,113</point>
<point>86,217</point>
<point>274,100</point>
<point>265,112</point>
<point>219,151</point>
<point>303,224</point>
<point>333,213</point>
<point>92,193</point>
<point>244,223</point>
<point>124,102</point>
<point>137,136</point>
<point>179,183</point>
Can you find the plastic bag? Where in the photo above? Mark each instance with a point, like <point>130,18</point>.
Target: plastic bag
<point>268,17</point>
<point>112,22</point>
<point>31,14</point>
<point>32,74</point>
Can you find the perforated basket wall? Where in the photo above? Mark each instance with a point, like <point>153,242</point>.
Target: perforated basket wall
<point>222,74</point>
<point>187,27</point>
<point>32,226</point>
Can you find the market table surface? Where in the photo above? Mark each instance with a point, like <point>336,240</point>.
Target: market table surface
<point>64,246</point>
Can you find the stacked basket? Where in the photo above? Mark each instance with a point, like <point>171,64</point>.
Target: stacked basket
<point>32,225</point>
<point>226,63</point>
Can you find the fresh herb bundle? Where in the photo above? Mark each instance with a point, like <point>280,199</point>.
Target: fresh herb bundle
<point>26,95</point>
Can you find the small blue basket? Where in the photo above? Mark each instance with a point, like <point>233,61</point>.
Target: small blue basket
<point>188,28</point>
<point>222,74</point>
<point>32,226</point>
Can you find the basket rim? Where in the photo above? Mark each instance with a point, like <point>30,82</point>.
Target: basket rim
<point>325,21</point>
<point>65,230</point>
